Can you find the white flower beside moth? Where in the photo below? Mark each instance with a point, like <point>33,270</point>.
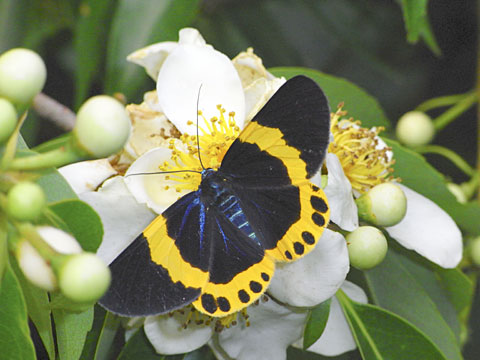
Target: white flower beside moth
<point>242,87</point>
<point>425,228</point>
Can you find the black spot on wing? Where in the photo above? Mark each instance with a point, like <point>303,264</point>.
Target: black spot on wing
<point>308,238</point>
<point>140,287</point>
<point>300,110</point>
<point>318,203</point>
<point>243,296</point>
<point>208,303</point>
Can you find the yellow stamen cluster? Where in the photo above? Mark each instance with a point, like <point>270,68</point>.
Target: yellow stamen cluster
<point>364,163</point>
<point>215,137</point>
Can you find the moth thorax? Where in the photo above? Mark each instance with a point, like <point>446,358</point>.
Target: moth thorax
<point>212,186</point>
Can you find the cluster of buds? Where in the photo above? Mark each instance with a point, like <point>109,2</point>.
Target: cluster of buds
<point>50,258</point>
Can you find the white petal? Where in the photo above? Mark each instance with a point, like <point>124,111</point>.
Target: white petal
<point>179,80</point>
<point>258,93</point>
<point>428,230</point>
<point>152,57</point>
<point>169,337</point>
<point>87,175</point>
<point>122,216</point>
<point>150,189</point>
<point>272,329</point>
<point>337,337</point>
<point>343,210</point>
<point>314,278</point>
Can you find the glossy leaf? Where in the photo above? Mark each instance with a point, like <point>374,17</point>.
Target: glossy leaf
<point>430,183</point>
<point>359,104</point>
<point>316,322</point>
<point>397,287</point>
<point>14,332</point>
<point>72,329</point>
<point>152,21</point>
<point>89,40</point>
<point>381,334</point>
<point>82,221</point>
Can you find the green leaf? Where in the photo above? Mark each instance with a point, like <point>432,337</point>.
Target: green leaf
<point>458,287</point>
<point>55,186</point>
<point>417,24</point>
<point>430,183</point>
<point>316,322</point>
<point>139,347</point>
<point>82,221</point>
<point>38,308</point>
<point>72,329</point>
<point>89,41</point>
<point>380,334</point>
<point>359,104</point>
<point>153,21</point>
<point>106,337</point>
<point>14,332</point>
<point>401,289</point>
<point>94,334</point>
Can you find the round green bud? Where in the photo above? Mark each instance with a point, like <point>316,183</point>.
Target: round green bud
<point>84,278</point>
<point>474,250</point>
<point>367,247</point>
<point>102,126</point>
<point>415,128</point>
<point>22,75</point>
<point>8,119</point>
<point>383,205</point>
<point>25,201</point>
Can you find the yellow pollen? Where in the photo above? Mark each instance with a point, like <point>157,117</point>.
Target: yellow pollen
<point>215,137</point>
<point>363,163</point>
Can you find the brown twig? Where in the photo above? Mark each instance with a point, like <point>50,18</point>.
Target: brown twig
<point>51,109</point>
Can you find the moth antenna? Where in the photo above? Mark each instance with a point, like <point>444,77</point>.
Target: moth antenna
<point>163,172</point>
<point>198,137</point>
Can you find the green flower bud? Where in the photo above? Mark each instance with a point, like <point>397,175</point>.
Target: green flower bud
<point>415,128</point>
<point>367,247</point>
<point>25,201</point>
<point>102,127</point>
<point>22,75</point>
<point>474,250</point>
<point>383,205</point>
<point>8,119</point>
<point>84,278</point>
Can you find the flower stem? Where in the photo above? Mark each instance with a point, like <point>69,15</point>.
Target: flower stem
<point>450,155</point>
<point>441,101</point>
<point>11,146</point>
<point>54,158</point>
<point>451,114</point>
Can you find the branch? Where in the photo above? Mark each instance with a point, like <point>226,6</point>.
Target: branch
<point>51,109</point>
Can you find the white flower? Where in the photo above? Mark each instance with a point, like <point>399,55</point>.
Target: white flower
<point>426,228</point>
<point>127,204</point>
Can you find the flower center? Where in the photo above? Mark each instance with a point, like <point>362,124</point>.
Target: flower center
<point>215,137</point>
<point>365,161</point>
